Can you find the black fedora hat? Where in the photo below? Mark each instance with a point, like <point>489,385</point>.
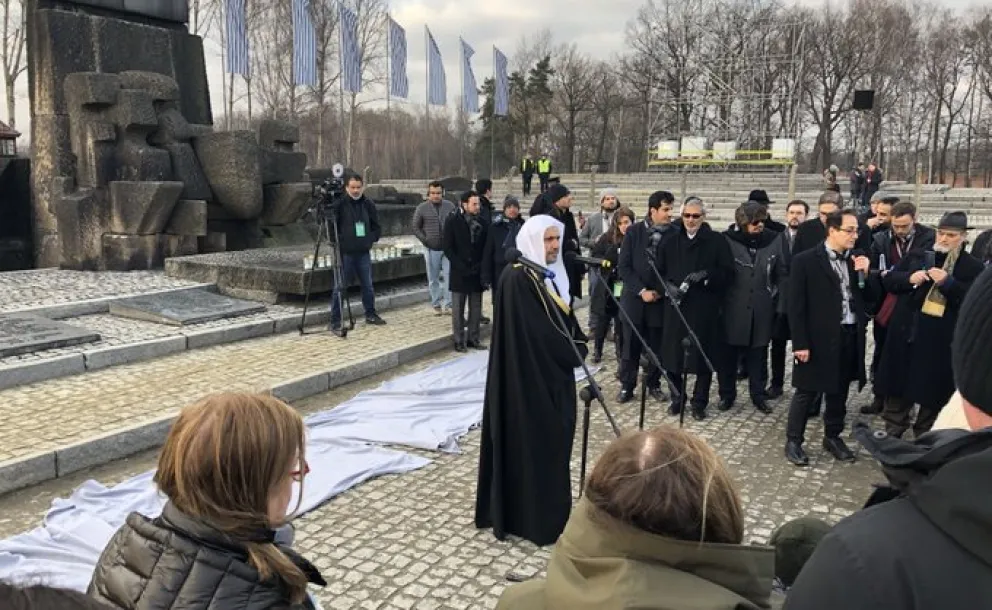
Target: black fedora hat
<point>956,221</point>
<point>759,196</point>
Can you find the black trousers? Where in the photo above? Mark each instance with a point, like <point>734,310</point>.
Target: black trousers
<point>879,332</point>
<point>543,179</point>
<point>756,364</point>
<point>603,328</point>
<point>836,402</point>
<point>527,178</point>
<point>631,361</point>
<point>700,390</point>
<point>778,362</point>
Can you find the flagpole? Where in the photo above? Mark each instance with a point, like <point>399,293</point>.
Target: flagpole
<point>389,113</point>
<point>344,130</point>
<point>427,138</point>
<point>464,109</point>
<point>492,125</point>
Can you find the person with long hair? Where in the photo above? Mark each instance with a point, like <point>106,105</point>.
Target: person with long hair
<point>607,247</point>
<point>660,527</point>
<point>230,468</point>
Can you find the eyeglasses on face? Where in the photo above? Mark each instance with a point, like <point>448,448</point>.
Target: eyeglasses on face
<point>757,223</point>
<point>848,230</point>
<point>298,475</point>
<point>692,216</point>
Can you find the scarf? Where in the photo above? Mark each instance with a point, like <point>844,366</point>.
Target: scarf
<point>936,302</point>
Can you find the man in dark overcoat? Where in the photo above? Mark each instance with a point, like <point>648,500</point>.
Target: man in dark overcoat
<point>697,265</point>
<point>795,214</point>
<point>641,297</point>
<point>827,305</point>
<point>464,245</point>
<point>749,304</point>
<point>915,367</point>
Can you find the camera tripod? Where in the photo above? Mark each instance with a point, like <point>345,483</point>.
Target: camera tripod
<point>326,218</point>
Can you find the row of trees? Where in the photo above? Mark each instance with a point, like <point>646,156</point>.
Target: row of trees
<point>741,70</point>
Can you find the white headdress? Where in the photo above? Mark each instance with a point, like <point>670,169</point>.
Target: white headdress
<point>530,242</point>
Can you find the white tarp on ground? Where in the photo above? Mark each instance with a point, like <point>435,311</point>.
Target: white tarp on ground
<point>430,410</point>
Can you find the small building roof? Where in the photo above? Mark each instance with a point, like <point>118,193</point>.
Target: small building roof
<point>6,132</point>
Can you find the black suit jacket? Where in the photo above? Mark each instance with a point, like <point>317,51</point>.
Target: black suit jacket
<point>636,274</point>
<point>815,320</point>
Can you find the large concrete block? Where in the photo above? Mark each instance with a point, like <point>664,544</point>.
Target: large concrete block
<point>285,203</point>
<point>230,161</point>
<point>161,87</point>
<point>278,135</point>
<point>137,161</point>
<point>142,208</point>
<point>132,252</point>
<point>280,166</point>
<point>189,217</point>
<point>215,241</point>
<point>135,110</point>
<point>190,69</point>
<point>82,218</point>
<point>169,10</point>
<point>172,127</point>
<point>96,157</point>
<point>91,88</point>
<point>122,45</point>
<point>180,245</point>
<point>186,169</point>
<point>59,43</point>
<point>51,157</point>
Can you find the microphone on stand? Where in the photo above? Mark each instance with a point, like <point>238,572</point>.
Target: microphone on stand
<point>587,260</point>
<point>514,255</point>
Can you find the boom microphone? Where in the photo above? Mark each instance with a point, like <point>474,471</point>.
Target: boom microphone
<point>514,255</point>
<point>571,257</point>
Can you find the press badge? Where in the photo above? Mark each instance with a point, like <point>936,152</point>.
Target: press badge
<point>617,289</point>
<point>359,229</point>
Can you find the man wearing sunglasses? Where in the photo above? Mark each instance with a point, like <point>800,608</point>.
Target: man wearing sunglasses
<point>697,265</point>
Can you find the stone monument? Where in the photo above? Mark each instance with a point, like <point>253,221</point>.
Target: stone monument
<point>127,169</point>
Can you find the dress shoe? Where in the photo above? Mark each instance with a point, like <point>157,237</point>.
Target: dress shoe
<point>874,408</point>
<point>476,345</point>
<point>658,394</point>
<point>836,447</point>
<point>725,404</point>
<point>460,348</point>
<point>484,320</point>
<point>675,408</point>
<point>597,357</point>
<point>773,392</point>
<point>625,396</point>
<point>375,320</point>
<point>762,405</point>
<point>795,454</point>
<point>699,413</point>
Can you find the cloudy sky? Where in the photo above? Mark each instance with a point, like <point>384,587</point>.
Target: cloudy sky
<point>595,26</point>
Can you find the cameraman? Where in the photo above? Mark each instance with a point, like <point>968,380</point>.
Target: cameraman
<point>358,229</point>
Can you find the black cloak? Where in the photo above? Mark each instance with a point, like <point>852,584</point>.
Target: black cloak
<point>528,419</point>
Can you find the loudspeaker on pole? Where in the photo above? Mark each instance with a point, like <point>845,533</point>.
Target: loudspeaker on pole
<point>864,99</point>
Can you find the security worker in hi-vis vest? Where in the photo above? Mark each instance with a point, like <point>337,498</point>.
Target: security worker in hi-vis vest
<point>544,171</point>
<point>527,172</point>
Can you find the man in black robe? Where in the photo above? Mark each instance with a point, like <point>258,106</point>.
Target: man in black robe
<point>528,419</point>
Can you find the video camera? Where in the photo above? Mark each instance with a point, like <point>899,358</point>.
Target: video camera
<point>328,194</point>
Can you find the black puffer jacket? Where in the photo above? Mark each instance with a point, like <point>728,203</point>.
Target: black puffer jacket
<point>176,563</point>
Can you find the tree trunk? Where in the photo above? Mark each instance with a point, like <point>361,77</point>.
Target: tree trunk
<point>11,104</point>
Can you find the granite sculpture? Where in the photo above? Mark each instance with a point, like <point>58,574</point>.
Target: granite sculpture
<point>127,168</point>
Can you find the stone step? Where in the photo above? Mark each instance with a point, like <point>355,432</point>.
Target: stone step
<point>123,341</point>
<point>56,427</point>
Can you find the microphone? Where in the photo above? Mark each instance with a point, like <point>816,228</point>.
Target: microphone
<point>861,274</point>
<point>587,260</point>
<point>514,255</point>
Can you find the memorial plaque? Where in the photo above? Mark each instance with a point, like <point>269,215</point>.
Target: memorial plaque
<point>182,308</point>
<point>21,333</point>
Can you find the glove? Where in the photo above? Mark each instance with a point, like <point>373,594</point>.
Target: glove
<point>675,292</point>
<point>697,277</point>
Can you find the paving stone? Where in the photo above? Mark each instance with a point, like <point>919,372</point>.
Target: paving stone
<point>135,352</point>
<point>60,366</point>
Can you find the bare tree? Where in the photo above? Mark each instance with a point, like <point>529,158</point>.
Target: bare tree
<point>572,93</point>
<point>372,57</point>
<point>12,54</point>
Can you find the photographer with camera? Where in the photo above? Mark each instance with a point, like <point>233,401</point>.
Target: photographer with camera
<point>358,229</point>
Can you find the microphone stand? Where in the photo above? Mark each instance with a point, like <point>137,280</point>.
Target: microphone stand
<point>592,389</point>
<point>687,342</point>
<point>652,357</point>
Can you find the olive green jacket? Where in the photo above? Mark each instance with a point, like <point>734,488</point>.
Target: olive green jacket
<point>600,563</point>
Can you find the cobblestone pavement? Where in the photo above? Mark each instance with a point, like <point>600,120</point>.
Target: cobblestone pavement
<point>408,541</point>
<point>116,330</point>
<point>54,413</point>
<point>46,287</point>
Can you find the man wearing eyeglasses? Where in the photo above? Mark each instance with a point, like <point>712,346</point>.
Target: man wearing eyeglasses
<point>749,304</point>
<point>697,266</point>
<point>827,317</point>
